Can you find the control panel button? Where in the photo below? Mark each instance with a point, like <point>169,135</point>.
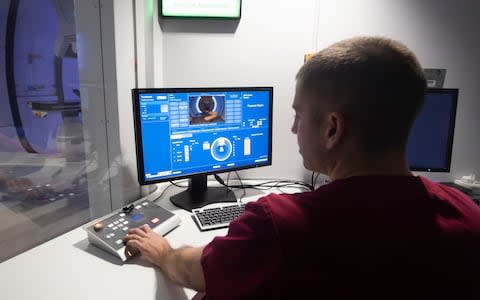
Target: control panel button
<point>155,220</point>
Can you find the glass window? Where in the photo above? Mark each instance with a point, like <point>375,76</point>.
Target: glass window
<point>43,170</point>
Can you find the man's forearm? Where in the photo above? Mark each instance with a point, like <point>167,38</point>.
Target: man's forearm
<point>183,267</point>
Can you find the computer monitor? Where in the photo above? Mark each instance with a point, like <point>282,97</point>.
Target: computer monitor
<point>430,141</point>
<point>194,132</point>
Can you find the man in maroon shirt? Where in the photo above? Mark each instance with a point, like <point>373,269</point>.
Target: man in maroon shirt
<point>375,232</point>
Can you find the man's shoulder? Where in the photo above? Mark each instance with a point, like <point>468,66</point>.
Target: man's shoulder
<point>338,195</point>
<point>346,198</point>
<point>451,196</point>
<point>290,210</point>
<point>286,203</point>
<point>441,190</point>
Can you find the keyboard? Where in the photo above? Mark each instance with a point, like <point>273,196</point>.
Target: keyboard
<point>218,216</point>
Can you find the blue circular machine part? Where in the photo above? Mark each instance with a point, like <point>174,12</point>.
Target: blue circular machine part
<point>10,75</point>
<point>45,30</point>
<point>221,149</point>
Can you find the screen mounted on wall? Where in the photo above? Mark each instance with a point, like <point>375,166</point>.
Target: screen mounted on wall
<point>218,9</point>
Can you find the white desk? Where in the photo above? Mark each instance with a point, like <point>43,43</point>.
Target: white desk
<point>68,267</point>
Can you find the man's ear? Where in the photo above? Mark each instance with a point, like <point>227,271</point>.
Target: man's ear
<point>334,129</point>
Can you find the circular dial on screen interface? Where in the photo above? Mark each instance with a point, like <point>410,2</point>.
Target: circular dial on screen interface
<point>206,104</point>
<point>221,149</point>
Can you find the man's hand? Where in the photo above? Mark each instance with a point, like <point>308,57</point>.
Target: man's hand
<point>181,265</point>
<point>150,244</point>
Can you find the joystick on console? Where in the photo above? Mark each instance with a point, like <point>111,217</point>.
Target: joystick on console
<point>128,209</point>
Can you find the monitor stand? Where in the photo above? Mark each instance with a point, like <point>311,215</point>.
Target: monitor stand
<point>199,195</point>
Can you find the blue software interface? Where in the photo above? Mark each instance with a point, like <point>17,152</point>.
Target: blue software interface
<point>186,133</point>
<point>430,139</point>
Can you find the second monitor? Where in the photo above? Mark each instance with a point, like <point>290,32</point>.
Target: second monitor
<point>194,132</point>
<point>430,141</point>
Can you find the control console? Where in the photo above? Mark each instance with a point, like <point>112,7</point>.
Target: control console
<point>108,232</point>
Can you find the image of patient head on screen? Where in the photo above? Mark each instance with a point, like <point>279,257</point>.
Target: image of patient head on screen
<point>207,109</point>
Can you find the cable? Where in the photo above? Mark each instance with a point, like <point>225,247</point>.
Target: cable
<point>266,185</point>
<point>316,178</point>
<point>177,185</point>
<point>228,177</point>
<point>244,190</point>
<point>239,178</point>
<point>220,180</point>
<point>164,191</point>
<point>269,184</point>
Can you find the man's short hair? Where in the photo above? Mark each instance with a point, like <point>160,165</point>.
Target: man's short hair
<point>377,83</point>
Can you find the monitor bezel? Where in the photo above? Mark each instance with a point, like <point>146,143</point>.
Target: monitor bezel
<point>453,113</point>
<point>165,16</point>
<point>138,130</point>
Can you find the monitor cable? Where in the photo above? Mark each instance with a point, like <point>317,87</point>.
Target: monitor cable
<point>266,185</point>
<point>178,185</point>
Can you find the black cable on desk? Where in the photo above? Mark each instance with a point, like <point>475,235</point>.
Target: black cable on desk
<point>266,185</point>
<point>177,185</point>
<point>241,183</point>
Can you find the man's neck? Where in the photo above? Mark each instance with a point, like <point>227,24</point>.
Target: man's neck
<point>392,163</point>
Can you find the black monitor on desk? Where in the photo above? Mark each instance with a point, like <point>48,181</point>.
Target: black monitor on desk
<point>430,141</point>
<point>193,132</point>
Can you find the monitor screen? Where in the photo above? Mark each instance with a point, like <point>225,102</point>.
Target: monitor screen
<point>430,140</point>
<point>185,133</point>
<point>222,9</point>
